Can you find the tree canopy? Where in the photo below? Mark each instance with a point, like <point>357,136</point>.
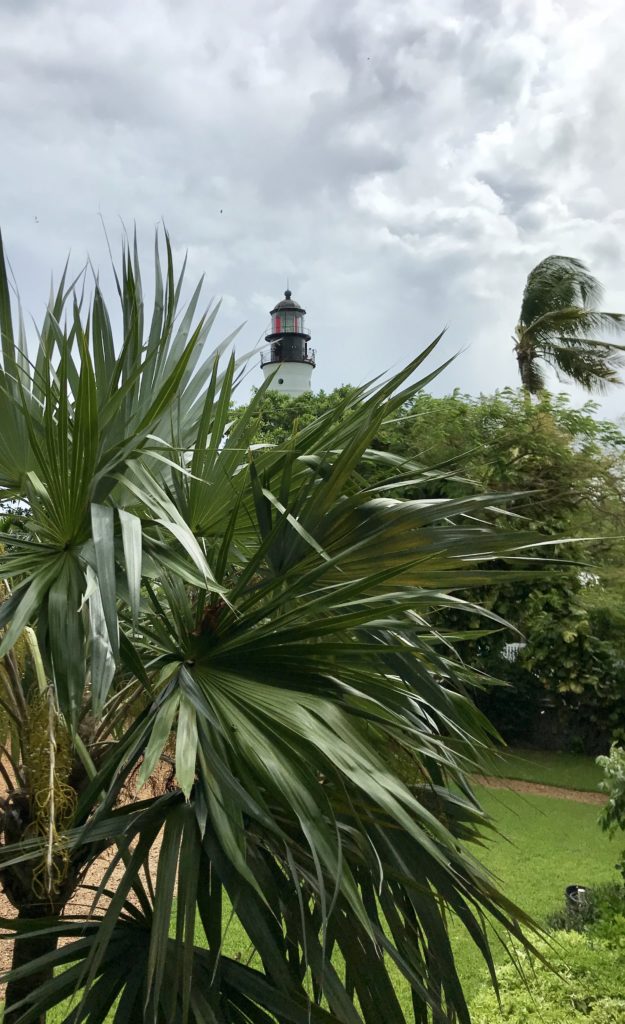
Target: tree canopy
<point>566,469</point>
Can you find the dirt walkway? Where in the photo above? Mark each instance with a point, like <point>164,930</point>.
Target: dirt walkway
<point>580,796</point>
<point>83,897</point>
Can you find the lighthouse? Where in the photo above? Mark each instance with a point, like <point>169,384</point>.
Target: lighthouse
<point>288,358</point>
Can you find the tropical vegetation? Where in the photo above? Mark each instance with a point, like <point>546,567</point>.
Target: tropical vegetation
<point>587,947</point>
<point>257,617</point>
<point>543,844</point>
<point>587,988</point>
<point>561,326</point>
<point>613,785</point>
<point>566,471</point>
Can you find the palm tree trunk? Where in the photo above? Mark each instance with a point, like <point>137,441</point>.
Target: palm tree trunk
<point>26,949</point>
<point>524,369</point>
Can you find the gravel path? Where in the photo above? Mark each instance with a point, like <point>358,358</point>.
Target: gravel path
<point>580,796</point>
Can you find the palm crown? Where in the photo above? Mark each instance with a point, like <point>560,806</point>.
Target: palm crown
<point>560,325</point>
<point>259,616</point>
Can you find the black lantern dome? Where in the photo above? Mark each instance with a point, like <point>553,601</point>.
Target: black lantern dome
<point>287,303</point>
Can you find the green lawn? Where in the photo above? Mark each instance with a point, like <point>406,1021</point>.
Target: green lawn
<point>570,771</point>
<point>548,845</point>
<point>543,846</point>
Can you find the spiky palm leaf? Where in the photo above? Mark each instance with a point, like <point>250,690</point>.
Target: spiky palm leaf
<point>560,325</point>
<point>275,610</point>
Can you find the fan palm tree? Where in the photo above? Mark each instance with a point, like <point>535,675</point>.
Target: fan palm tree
<point>561,326</point>
<point>258,615</point>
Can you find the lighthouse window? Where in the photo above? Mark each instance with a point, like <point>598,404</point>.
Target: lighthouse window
<point>277,323</point>
<point>280,380</point>
<point>291,323</point>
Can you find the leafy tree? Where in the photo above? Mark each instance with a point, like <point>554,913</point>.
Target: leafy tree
<point>568,469</point>
<point>612,818</point>
<point>564,460</point>
<point>559,323</point>
<point>280,414</point>
<point>564,472</point>
<point>261,615</point>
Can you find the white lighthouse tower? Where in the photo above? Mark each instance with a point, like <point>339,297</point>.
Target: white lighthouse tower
<point>288,359</point>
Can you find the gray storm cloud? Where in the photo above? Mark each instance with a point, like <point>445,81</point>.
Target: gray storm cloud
<point>404,164</point>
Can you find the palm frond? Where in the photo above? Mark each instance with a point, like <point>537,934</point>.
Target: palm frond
<point>75,419</point>
<point>574,323</point>
<point>592,364</point>
<point>558,282</point>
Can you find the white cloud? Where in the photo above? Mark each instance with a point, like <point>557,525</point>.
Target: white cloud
<point>404,164</point>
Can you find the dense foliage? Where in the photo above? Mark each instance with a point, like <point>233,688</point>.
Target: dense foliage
<point>613,785</point>
<point>568,468</point>
<point>260,616</point>
<point>588,988</point>
<point>599,912</point>
<point>587,946</point>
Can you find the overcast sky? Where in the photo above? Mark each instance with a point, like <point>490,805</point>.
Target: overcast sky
<point>403,163</point>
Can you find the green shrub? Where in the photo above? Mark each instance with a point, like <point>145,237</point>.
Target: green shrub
<point>613,815</point>
<point>589,987</point>
<point>609,927</point>
<point>601,905</point>
<point>613,766</point>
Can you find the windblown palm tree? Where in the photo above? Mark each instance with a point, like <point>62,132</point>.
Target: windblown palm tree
<point>260,615</point>
<point>561,326</point>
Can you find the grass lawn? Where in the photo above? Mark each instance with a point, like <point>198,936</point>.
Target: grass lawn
<point>548,845</point>
<point>570,771</point>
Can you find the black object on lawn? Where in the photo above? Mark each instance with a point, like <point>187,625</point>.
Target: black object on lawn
<point>576,896</point>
